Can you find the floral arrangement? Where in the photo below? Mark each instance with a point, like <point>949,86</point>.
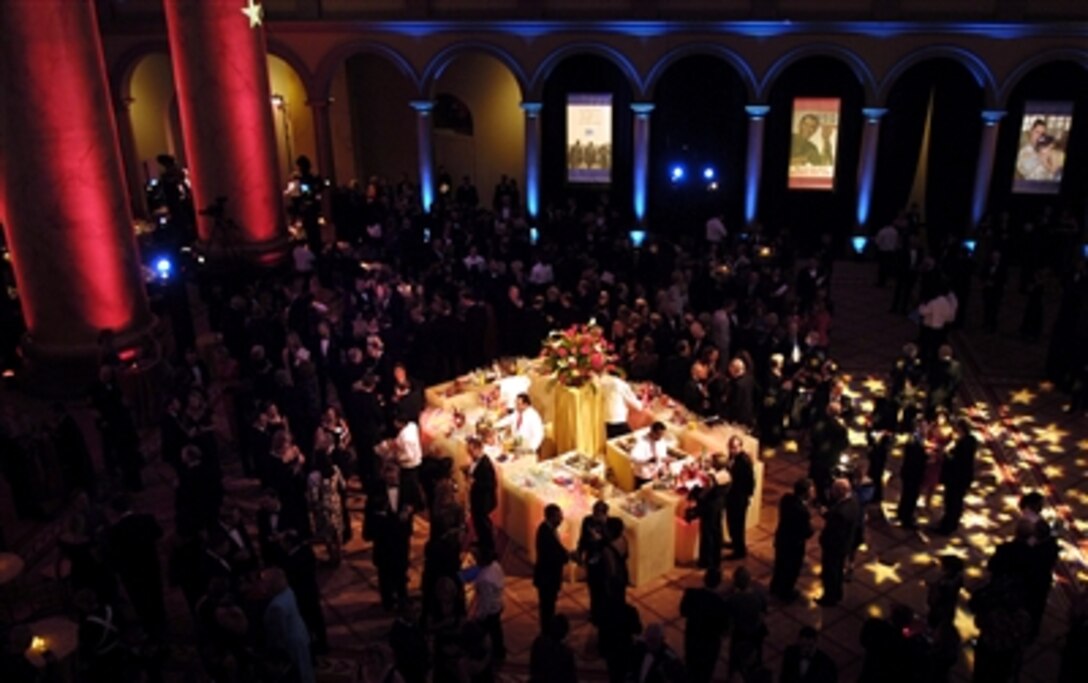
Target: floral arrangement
<point>578,354</point>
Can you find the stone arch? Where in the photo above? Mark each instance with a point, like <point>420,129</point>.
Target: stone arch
<point>448,55</point>
<point>969,60</point>
<point>332,61</point>
<point>610,54</point>
<point>738,63</point>
<point>120,72</point>
<point>848,57</point>
<point>277,49</point>
<point>1014,78</point>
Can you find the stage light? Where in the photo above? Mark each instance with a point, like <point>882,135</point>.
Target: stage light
<point>708,173</point>
<point>534,236</point>
<point>859,242</point>
<point>278,101</point>
<point>712,186</point>
<point>677,173</point>
<point>637,238</point>
<point>153,182</point>
<point>970,246</point>
<point>163,268</point>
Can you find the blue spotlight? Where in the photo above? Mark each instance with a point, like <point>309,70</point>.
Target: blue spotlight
<point>970,246</point>
<point>859,243</point>
<point>163,268</point>
<point>708,173</point>
<point>677,173</point>
<point>1084,251</point>
<point>534,236</point>
<point>637,238</point>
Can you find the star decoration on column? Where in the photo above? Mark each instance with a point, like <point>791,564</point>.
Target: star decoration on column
<point>254,12</point>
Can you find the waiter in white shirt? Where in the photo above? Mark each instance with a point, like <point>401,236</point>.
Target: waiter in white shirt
<point>648,453</point>
<point>526,423</point>
<point>408,452</point>
<point>619,400</point>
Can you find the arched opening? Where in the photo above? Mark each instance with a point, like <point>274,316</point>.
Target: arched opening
<point>1055,82</point>
<point>477,89</point>
<point>587,74</point>
<point>700,134</point>
<point>156,128</point>
<point>291,115</point>
<point>373,126</point>
<point>810,213</point>
<point>928,151</point>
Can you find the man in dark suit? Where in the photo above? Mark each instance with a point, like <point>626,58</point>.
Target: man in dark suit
<point>551,558</point>
<point>133,552</point>
<point>958,473</point>
<point>482,494</point>
<point>738,495</point>
<point>590,554</point>
<point>271,525</point>
<point>241,552</point>
<point>697,396</point>
<point>388,524</point>
<point>327,358</point>
<point>908,261</point>
<point>172,435</point>
<point>794,529</point>
<point>911,474</point>
<point>365,416</point>
<point>740,406</point>
<point>300,566</point>
<point>803,662</point>
<point>840,526</point>
<point>709,506</point>
<point>707,620</point>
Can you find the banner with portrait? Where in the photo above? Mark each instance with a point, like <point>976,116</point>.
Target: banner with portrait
<point>814,142</point>
<point>1040,155</point>
<point>589,138</point>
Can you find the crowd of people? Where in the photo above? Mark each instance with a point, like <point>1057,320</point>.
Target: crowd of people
<point>317,393</point>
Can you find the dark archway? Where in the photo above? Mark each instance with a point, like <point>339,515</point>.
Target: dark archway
<point>585,73</point>
<point>699,123</point>
<point>810,213</point>
<point>955,131</point>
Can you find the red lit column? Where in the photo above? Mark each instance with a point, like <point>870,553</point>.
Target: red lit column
<point>221,76</point>
<point>68,223</point>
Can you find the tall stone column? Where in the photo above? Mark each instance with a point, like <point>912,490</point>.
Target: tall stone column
<point>424,124</point>
<point>870,140</point>
<point>221,76</point>
<point>641,157</point>
<point>68,218</point>
<point>532,157</point>
<point>757,119</point>
<point>984,171</point>
<point>326,163</point>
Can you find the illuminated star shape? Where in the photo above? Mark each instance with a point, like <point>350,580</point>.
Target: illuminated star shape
<point>1023,397</point>
<point>873,385</point>
<point>254,12</point>
<point>1083,444</point>
<point>884,573</point>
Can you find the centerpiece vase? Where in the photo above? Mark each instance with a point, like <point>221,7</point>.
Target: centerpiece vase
<point>579,423</point>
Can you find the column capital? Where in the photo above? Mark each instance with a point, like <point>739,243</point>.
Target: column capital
<point>532,109</point>
<point>873,114</point>
<point>757,111</point>
<point>991,117</point>
<point>422,106</point>
<point>642,108</point>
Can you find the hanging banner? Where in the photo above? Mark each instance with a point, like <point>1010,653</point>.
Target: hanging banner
<point>1040,159</point>
<point>589,138</point>
<point>814,142</point>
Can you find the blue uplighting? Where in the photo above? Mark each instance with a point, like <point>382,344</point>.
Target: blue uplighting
<point>677,173</point>
<point>970,246</point>
<point>708,173</point>
<point>163,268</point>
<point>859,243</point>
<point>534,236</point>
<point>637,238</point>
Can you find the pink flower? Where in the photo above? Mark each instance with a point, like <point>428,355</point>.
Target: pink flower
<point>596,361</point>
<point>586,349</point>
<point>561,352</point>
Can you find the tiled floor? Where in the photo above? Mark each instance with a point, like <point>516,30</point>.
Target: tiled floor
<point>1021,421</point>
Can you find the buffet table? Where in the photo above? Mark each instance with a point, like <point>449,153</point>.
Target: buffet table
<point>657,533</point>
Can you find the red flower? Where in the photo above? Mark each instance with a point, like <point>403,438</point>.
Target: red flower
<point>561,352</point>
<point>586,349</point>
<point>596,361</point>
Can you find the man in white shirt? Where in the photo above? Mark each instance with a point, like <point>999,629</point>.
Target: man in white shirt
<point>526,423</point>
<point>619,399</point>
<point>647,454</point>
<point>936,315</point>
<point>408,452</point>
